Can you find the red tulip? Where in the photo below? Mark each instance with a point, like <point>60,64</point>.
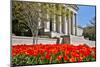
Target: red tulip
<point>72,59</point>
<point>66,58</point>
<point>59,57</point>
<point>47,56</point>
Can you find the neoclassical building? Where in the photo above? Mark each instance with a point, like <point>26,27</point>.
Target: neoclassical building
<point>61,24</point>
<point>61,19</point>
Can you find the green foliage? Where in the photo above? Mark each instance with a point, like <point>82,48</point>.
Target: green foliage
<point>90,30</point>
<point>90,36</point>
<point>89,58</point>
<point>23,59</point>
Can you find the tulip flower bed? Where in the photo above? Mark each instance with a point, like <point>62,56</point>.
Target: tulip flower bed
<point>49,54</point>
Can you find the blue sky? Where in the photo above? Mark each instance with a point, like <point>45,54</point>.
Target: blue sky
<point>85,13</point>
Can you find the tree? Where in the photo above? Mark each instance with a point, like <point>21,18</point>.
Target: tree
<point>93,22</point>
<point>90,30</point>
<point>28,13</point>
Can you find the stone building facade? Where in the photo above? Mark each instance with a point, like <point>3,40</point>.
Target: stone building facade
<point>62,25</point>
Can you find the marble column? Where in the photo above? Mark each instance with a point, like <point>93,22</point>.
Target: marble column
<point>72,23</point>
<point>63,24</point>
<point>67,19</point>
<point>60,24</point>
<point>64,21</point>
<point>54,24</point>
<point>53,19</point>
<point>51,23</point>
<point>69,22</point>
<point>75,24</point>
<point>57,30</point>
<point>66,25</point>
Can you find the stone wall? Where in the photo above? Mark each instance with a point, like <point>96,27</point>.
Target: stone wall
<point>29,40</point>
<point>76,40</point>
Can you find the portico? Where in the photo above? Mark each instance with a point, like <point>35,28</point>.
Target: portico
<point>63,24</point>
